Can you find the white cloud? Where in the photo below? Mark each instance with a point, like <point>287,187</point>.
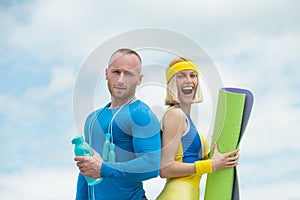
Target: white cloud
<point>153,187</point>
<point>277,191</point>
<point>61,81</point>
<point>35,183</point>
<point>254,44</point>
<point>261,66</point>
<point>36,118</point>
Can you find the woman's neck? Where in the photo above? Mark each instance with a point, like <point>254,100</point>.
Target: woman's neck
<point>186,108</point>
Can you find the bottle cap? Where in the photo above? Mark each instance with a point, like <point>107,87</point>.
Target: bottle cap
<point>77,140</point>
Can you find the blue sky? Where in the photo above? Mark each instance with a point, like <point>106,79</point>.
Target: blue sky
<point>44,44</point>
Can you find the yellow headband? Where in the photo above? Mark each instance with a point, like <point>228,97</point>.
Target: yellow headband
<point>180,66</point>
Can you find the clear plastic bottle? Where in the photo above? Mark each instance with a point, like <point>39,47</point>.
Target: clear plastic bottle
<point>84,149</point>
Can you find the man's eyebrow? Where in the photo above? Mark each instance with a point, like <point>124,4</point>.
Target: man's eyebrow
<point>125,71</point>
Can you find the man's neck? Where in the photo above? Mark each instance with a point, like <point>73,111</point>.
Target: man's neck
<point>116,103</point>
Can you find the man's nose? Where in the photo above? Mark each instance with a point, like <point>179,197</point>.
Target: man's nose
<point>121,78</point>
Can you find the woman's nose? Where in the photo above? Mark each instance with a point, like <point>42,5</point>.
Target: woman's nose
<point>188,79</point>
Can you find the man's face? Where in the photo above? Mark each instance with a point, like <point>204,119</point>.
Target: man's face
<point>123,76</point>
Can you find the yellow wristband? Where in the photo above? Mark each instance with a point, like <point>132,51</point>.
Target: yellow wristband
<point>203,166</point>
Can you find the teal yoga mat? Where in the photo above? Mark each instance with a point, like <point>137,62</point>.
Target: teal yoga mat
<point>232,115</point>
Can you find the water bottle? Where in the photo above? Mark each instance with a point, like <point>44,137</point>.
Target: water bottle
<point>84,149</point>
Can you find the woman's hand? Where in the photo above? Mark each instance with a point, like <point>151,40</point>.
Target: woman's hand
<point>226,160</point>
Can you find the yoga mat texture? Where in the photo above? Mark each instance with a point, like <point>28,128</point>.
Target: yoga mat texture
<point>232,115</point>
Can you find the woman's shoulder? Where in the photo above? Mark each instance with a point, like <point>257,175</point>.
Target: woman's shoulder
<point>174,114</point>
<point>173,110</point>
<point>174,120</point>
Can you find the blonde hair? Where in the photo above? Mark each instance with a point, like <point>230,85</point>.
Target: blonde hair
<point>172,91</point>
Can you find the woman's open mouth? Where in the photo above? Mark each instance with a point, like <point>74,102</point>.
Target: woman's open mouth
<point>187,90</point>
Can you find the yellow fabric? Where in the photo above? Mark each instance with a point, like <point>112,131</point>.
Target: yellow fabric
<point>205,147</point>
<point>203,166</point>
<point>179,154</point>
<point>188,187</point>
<point>182,188</point>
<point>193,179</point>
<point>179,190</point>
<point>180,66</point>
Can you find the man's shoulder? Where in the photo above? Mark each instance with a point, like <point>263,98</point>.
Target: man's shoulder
<point>95,113</point>
<point>142,110</point>
<point>141,113</point>
<point>140,106</point>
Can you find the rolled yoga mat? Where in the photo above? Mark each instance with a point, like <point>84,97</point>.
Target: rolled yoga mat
<point>232,115</point>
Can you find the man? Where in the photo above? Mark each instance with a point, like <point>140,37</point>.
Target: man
<point>130,132</point>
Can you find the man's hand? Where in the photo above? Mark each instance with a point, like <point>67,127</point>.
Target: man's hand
<point>226,160</point>
<point>89,165</point>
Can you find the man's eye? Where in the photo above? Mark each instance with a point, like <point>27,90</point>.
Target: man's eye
<point>129,74</point>
<point>116,72</point>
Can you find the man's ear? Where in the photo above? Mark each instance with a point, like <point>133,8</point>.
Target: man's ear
<point>140,79</point>
<point>106,73</point>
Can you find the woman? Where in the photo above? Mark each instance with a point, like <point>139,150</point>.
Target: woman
<point>184,152</point>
